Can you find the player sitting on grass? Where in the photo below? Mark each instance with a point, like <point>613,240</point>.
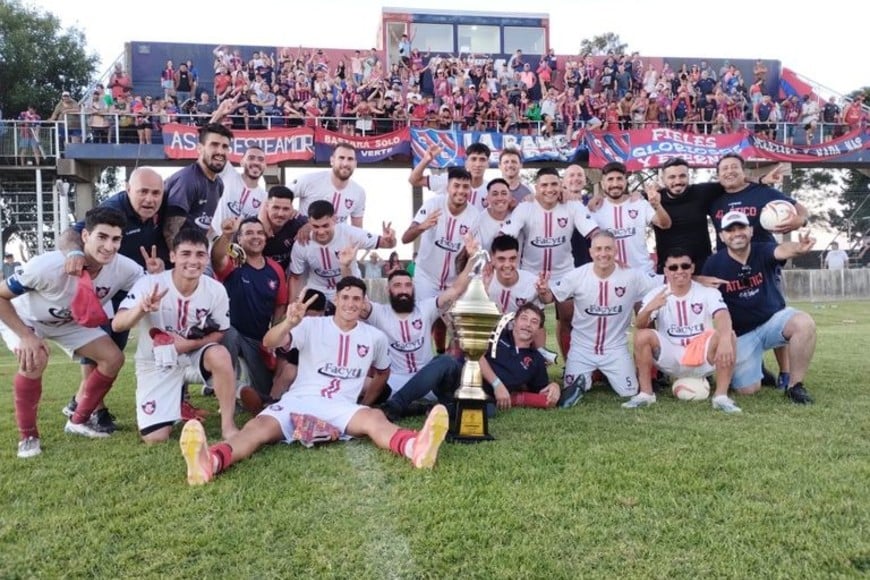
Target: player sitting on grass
<point>335,356</point>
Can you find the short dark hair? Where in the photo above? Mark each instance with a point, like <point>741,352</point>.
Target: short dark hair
<point>215,128</point>
<point>350,282</point>
<point>479,149</point>
<point>678,252</point>
<point>503,243</point>
<point>731,156</point>
<point>546,171</point>
<point>320,209</point>
<point>249,220</point>
<point>344,145</point>
<point>319,303</point>
<point>675,162</point>
<point>190,235</point>
<point>397,273</point>
<point>512,151</point>
<point>532,307</point>
<point>106,216</point>
<point>496,181</point>
<point>458,173</point>
<point>614,166</point>
<point>281,191</point>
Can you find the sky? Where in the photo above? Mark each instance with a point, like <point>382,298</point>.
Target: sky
<point>821,49</point>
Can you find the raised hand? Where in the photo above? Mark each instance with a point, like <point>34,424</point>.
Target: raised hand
<point>542,284</point>
<point>296,310</point>
<point>660,299</point>
<point>153,264</point>
<point>74,263</point>
<point>806,242</point>
<point>151,302</point>
<point>432,153</point>
<point>229,226</point>
<point>431,220</point>
<point>388,236</point>
<point>347,255</point>
<point>653,195</point>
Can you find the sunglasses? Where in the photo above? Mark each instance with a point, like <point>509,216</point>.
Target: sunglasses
<point>680,266</point>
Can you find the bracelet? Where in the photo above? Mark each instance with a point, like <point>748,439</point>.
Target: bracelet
<point>74,253</point>
<point>496,383</point>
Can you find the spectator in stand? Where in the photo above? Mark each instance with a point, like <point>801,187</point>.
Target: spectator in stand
<point>831,119</point>
<point>393,264</point>
<point>854,115</point>
<point>836,259</point>
<point>763,113</point>
<point>98,118</point>
<point>119,82</point>
<point>167,79</point>
<point>29,135</point>
<point>143,110</point>
<point>68,112</point>
<point>809,116</point>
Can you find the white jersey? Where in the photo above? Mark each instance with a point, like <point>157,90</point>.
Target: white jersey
<point>178,313</point>
<point>547,246</point>
<point>685,317</point>
<point>334,364</point>
<point>603,306</point>
<point>477,196</point>
<point>510,298</point>
<point>322,260</point>
<point>238,200</point>
<point>488,228</point>
<point>45,291</point>
<point>409,336</point>
<point>628,223</point>
<point>440,244</point>
<point>348,202</point>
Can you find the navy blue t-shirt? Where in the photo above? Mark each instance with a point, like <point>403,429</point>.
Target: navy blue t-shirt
<point>751,293</point>
<point>750,201</point>
<point>253,295</point>
<point>138,233</point>
<point>193,195</point>
<point>520,369</point>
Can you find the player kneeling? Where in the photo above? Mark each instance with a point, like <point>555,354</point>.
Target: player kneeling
<point>684,343</point>
<point>335,356</point>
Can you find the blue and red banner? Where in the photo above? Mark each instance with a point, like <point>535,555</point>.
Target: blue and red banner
<point>180,141</point>
<point>369,149</point>
<point>853,147</point>
<point>454,143</point>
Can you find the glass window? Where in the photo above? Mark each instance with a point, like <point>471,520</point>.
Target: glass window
<point>529,39</point>
<point>479,39</point>
<point>432,37</point>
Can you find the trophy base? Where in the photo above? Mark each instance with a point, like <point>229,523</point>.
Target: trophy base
<point>469,423</point>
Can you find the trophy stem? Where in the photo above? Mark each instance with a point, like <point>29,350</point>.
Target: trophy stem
<point>471,383</point>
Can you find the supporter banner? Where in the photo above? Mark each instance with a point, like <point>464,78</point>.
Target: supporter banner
<point>649,148</point>
<point>368,149</point>
<point>180,141</point>
<point>851,147</point>
<point>454,143</point>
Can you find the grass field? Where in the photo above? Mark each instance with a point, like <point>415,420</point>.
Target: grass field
<point>674,490</point>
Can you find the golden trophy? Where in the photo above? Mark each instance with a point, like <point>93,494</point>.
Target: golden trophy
<point>473,318</point>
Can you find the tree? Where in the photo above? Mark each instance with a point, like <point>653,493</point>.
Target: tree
<point>39,59</point>
<point>603,44</point>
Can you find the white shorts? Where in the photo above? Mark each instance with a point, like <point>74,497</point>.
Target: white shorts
<point>69,336</point>
<point>670,356</point>
<point>336,412</point>
<point>158,389</point>
<point>617,366</point>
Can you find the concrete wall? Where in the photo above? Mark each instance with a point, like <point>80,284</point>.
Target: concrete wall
<point>827,284</point>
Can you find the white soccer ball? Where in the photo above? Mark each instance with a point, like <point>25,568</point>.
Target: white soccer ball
<point>691,389</point>
<point>775,213</point>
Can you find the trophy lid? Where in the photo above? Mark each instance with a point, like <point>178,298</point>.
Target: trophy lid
<point>475,300</point>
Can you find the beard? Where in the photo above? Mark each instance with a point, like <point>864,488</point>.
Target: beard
<point>403,303</point>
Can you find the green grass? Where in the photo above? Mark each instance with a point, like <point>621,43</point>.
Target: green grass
<point>674,490</point>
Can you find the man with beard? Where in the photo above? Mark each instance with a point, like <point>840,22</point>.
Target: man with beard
<point>604,293</point>
<point>476,163</point>
<point>761,319</point>
<point>335,186</point>
<point>195,190</point>
<point>510,163</point>
<point>547,224</point>
<point>257,289</point>
<point>243,196</point>
<point>628,219</point>
<point>414,370</point>
<point>282,223</point>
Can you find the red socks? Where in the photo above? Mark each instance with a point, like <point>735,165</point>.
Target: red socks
<point>531,400</point>
<point>27,395</point>
<point>96,386</point>
<point>224,454</point>
<point>400,439</point>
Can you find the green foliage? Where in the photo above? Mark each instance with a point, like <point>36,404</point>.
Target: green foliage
<point>602,44</point>
<point>855,213</point>
<point>39,59</point>
<point>675,490</point>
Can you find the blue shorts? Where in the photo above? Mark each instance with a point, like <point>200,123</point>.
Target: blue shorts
<point>751,347</point>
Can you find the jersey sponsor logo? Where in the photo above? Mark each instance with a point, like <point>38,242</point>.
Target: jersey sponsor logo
<point>562,222</point>
<point>619,291</point>
<point>132,231</point>
<point>596,310</point>
<point>547,242</point>
<point>362,349</point>
<point>417,323</point>
<point>235,207</point>
<point>148,407</point>
<point>203,221</point>
<point>407,346</point>
<point>63,314</point>
<point>685,331</point>
<point>697,307</point>
<point>448,245</point>
<point>327,272</point>
<point>620,233</point>
<point>632,213</point>
<point>276,407</point>
<point>338,372</point>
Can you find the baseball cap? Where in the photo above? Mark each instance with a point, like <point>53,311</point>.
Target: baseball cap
<point>65,94</point>
<point>734,217</point>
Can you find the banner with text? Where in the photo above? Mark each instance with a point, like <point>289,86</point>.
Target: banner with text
<point>853,147</point>
<point>368,149</point>
<point>180,141</point>
<point>454,143</point>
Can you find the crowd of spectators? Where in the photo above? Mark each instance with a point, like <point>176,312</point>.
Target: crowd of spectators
<point>358,94</point>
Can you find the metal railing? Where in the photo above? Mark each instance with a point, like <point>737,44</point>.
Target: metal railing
<point>29,143</point>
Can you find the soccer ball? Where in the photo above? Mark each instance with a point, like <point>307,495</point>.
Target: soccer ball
<point>776,213</point>
<point>691,389</point>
